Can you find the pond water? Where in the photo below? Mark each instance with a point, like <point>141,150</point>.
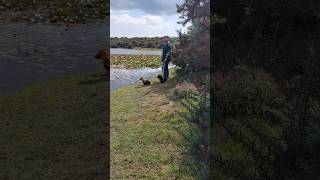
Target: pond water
<point>124,77</point>
<point>36,52</point>
<point>122,51</point>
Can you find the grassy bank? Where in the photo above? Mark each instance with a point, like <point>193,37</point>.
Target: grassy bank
<point>147,137</point>
<point>55,129</point>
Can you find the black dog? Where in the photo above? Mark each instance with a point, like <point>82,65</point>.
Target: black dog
<point>161,79</point>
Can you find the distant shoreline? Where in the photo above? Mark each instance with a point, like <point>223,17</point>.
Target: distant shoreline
<point>148,43</point>
<point>135,51</point>
<point>146,49</point>
<point>142,37</point>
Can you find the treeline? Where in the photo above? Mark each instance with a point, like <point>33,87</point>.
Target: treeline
<point>192,57</point>
<point>137,42</point>
<point>265,87</point>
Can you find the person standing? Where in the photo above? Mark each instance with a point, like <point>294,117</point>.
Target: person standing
<point>166,57</point>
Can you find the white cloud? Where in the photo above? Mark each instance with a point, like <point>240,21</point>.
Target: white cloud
<point>158,7</point>
<point>146,20</point>
<point>144,24</point>
<point>135,22</point>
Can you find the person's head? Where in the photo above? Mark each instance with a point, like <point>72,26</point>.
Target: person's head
<point>166,39</point>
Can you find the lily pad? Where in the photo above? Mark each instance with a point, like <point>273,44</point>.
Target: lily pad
<point>136,61</point>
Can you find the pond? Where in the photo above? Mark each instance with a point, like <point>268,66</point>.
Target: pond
<point>122,51</point>
<point>36,52</point>
<point>124,77</point>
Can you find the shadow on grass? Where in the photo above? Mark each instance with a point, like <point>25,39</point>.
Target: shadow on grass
<point>161,88</point>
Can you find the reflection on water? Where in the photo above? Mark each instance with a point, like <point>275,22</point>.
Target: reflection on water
<point>31,53</point>
<point>124,77</point>
<point>122,51</point>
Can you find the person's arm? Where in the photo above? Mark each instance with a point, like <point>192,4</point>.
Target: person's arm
<point>168,52</point>
<point>164,52</point>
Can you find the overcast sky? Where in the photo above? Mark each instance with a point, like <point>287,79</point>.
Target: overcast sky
<point>144,18</point>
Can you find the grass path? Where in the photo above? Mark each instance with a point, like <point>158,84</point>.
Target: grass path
<point>144,139</point>
<point>55,130</point>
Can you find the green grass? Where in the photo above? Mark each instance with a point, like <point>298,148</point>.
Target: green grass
<point>55,130</point>
<point>147,138</point>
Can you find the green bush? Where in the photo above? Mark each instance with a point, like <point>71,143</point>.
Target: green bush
<point>279,40</point>
<point>249,113</point>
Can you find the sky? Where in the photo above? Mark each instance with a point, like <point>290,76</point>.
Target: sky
<point>144,18</point>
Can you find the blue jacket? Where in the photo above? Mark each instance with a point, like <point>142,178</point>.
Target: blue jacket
<point>166,51</point>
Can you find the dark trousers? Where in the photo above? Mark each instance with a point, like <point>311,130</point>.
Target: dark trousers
<point>165,70</point>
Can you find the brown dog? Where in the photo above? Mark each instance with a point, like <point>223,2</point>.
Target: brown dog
<point>105,56</point>
<point>144,81</point>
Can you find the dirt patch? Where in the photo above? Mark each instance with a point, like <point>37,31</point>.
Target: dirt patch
<point>153,101</point>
